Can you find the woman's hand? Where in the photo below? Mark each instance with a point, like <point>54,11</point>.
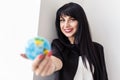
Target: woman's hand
<point>43,65</point>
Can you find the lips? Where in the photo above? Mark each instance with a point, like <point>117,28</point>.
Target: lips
<point>68,30</point>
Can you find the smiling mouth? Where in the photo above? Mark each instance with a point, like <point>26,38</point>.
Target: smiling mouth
<point>68,30</point>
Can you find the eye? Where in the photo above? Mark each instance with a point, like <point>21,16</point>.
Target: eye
<point>72,19</point>
<point>62,20</point>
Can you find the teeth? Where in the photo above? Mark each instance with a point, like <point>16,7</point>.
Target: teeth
<point>68,30</point>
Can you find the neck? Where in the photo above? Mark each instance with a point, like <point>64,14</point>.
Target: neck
<point>71,39</point>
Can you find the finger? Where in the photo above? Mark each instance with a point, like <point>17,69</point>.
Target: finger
<point>49,53</point>
<point>42,65</point>
<point>46,68</point>
<point>24,56</point>
<point>37,61</point>
<point>51,69</point>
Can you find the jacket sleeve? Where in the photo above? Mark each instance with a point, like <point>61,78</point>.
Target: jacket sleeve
<point>57,49</point>
<point>101,59</point>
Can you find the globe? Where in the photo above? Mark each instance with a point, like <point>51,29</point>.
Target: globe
<point>37,46</point>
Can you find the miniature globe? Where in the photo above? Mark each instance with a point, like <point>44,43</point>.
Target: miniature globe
<point>37,46</point>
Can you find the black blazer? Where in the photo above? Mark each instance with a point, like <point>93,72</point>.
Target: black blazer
<point>100,55</point>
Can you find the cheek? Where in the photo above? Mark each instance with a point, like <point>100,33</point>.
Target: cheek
<point>75,26</point>
<point>61,26</point>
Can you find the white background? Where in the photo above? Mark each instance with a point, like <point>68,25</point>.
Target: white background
<point>104,20</point>
<point>18,23</point>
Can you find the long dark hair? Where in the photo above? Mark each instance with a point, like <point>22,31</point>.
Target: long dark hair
<point>82,37</point>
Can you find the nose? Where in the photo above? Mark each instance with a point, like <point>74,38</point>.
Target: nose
<point>66,24</point>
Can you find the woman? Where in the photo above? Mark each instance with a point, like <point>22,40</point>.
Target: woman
<point>75,47</point>
<point>74,55</point>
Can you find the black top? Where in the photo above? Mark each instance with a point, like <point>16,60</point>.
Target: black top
<point>69,55</point>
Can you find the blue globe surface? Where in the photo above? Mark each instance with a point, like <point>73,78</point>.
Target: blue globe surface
<point>37,46</point>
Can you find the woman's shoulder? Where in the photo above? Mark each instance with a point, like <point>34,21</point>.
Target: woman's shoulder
<point>99,49</point>
<point>97,45</point>
<point>57,43</point>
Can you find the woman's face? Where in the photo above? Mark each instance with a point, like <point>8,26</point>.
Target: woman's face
<point>68,26</point>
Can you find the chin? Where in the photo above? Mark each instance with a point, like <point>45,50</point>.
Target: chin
<point>68,36</point>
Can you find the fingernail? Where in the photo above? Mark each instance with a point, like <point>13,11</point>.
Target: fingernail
<point>40,56</point>
<point>49,53</point>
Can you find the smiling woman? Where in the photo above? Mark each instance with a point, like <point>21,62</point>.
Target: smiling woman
<point>76,45</point>
<point>105,28</point>
<point>73,52</point>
